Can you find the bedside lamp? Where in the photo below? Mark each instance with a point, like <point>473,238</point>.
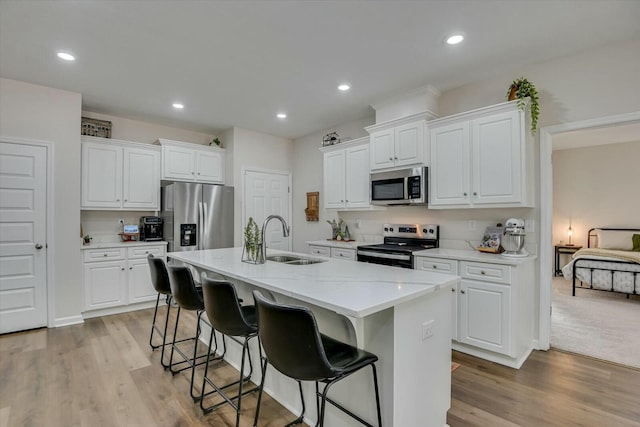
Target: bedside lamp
<point>570,233</point>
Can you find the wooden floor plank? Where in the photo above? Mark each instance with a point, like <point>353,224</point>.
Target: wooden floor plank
<point>103,373</point>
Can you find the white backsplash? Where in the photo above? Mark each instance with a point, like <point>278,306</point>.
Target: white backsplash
<point>454,223</point>
<point>104,227</point>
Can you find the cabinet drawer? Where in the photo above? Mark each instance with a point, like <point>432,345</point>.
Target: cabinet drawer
<point>144,251</point>
<point>436,264</point>
<point>486,272</point>
<point>320,250</point>
<point>104,254</point>
<point>349,254</point>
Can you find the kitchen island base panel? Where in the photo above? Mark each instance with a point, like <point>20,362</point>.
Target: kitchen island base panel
<point>419,378</point>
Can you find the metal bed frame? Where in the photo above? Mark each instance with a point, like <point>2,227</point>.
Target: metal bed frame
<point>636,285</point>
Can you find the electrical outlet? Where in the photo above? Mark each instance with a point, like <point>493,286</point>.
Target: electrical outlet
<point>472,225</point>
<point>427,329</point>
<point>529,226</point>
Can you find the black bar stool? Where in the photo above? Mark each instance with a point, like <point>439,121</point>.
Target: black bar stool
<point>160,281</point>
<point>189,297</point>
<point>228,317</point>
<point>294,346</point>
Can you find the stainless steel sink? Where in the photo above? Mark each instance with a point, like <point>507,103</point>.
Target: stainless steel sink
<point>293,260</point>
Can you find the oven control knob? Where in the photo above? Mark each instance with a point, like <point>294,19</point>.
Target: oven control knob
<point>386,229</point>
<point>424,230</point>
<point>391,229</point>
<point>431,230</point>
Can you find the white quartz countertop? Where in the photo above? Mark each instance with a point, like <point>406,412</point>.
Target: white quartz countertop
<point>337,243</point>
<point>105,245</point>
<point>350,288</point>
<point>469,255</point>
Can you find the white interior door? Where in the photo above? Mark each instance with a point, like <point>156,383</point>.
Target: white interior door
<point>268,193</point>
<point>23,259</point>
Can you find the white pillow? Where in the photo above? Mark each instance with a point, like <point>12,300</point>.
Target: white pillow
<point>612,239</point>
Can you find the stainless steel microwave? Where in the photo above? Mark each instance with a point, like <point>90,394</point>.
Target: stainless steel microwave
<point>400,187</point>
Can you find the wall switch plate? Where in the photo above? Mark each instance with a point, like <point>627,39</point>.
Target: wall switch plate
<point>529,226</point>
<point>472,225</point>
<point>427,329</point>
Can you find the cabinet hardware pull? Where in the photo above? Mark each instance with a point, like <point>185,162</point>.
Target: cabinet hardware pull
<point>435,266</point>
<point>130,268</point>
<point>462,291</point>
<point>391,158</point>
<point>464,194</point>
<point>105,255</point>
<point>395,158</point>
<point>122,268</point>
<point>482,272</point>
<point>475,194</point>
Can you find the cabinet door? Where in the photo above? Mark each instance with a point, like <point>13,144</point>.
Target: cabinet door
<point>408,144</point>
<point>343,253</point>
<point>141,179</point>
<point>104,284</point>
<point>209,167</point>
<point>382,149</point>
<point>334,179</point>
<point>139,281</point>
<point>485,316</point>
<point>497,158</point>
<point>320,250</point>
<point>449,171</point>
<point>178,163</point>
<point>101,176</point>
<point>357,177</point>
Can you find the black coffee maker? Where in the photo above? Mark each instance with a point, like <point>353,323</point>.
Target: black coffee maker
<point>151,228</point>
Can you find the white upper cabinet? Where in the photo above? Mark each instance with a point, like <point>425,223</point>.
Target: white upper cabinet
<point>396,144</point>
<point>119,175</point>
<point>183,161</point>
<point>481,159</point>
<point>346,175</point>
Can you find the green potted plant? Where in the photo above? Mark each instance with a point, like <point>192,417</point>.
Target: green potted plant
<point>520,89</point>
<point>252,242</point>
<point>216,142</point>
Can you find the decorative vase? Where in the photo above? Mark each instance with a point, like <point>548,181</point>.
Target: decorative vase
<point>512,93</point>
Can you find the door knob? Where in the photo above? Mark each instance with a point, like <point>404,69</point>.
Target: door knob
<point>38,246</point>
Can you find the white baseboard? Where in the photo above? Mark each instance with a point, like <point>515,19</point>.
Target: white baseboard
<point>119,309</point>
<point>66,321</point>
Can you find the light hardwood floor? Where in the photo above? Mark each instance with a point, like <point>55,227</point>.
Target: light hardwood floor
<point>103,373</point>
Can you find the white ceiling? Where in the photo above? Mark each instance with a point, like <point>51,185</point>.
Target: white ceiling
<point>238,63</point>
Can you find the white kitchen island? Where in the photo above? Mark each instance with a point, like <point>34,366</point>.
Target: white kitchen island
<point>403,316</point>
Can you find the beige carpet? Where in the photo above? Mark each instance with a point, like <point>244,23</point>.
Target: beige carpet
<point>594,323</point>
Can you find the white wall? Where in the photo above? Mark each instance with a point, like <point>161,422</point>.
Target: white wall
<point>36,112</point>
<point>140,131</point>
<point>249,149</point>
<point>307,177</point>
<point>595,187</point>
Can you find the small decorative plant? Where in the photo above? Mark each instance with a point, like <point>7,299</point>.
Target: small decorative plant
<point>87,239</point>
<point>520,89</point>
<point>252,242</point>
<point>216,142</point>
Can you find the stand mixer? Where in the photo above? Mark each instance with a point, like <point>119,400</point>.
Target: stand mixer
<point>513,238</point>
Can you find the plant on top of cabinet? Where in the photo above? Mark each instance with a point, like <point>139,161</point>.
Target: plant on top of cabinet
<point>520,89</point>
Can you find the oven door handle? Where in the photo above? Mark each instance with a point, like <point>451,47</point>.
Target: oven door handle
<point>385,256</point>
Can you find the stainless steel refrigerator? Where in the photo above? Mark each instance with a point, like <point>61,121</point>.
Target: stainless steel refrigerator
<point>197,216</point>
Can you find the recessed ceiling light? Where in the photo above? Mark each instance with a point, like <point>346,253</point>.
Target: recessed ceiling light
<point>178,106</point>
<point>281,115</point>
<point>455,39</point>
<point>66,56</point>
<point>344,86</point>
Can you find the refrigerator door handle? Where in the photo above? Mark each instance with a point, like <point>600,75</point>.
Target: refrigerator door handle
<point>200,225</point>
<point>205,224</point>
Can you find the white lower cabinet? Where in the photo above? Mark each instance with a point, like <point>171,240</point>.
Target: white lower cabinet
<point>118,277</point>
<point>493,308</point>
<point>333,252</point>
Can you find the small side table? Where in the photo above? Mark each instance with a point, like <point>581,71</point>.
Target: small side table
<point>564,249</point>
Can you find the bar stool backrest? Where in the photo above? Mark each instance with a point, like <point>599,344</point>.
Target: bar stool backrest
<point>183,288</point>
<point>159,275</point>
<point>223,308</point>
<point>291,340</point>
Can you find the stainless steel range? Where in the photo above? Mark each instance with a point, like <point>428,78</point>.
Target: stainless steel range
<point>400,241</point>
